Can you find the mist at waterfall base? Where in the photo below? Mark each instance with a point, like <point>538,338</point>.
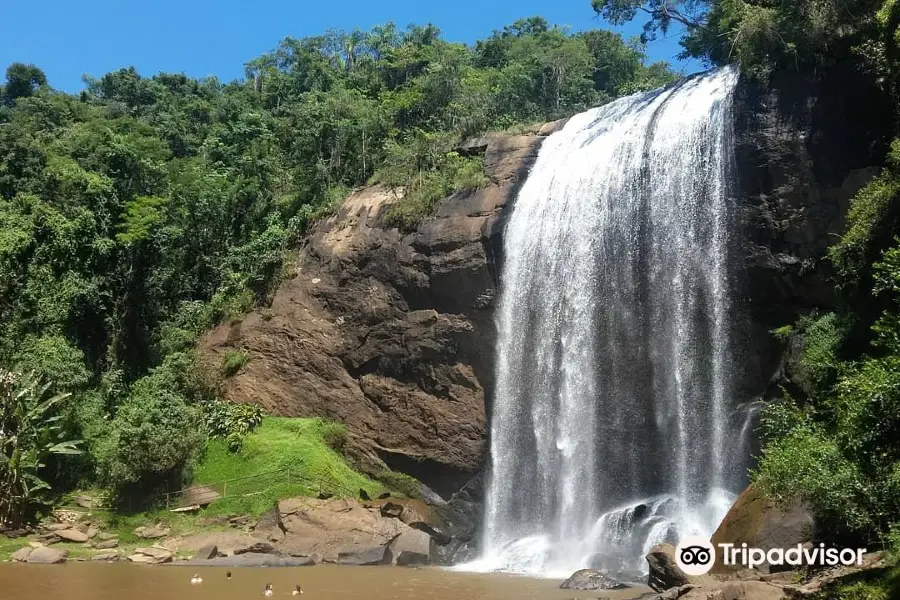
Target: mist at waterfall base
<point>613,425</point>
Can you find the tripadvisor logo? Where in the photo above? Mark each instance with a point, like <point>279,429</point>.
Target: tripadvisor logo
<point>696,555</point>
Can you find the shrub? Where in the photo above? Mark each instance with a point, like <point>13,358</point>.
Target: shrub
<point>426,169</point>
<point>334,434</point>
<point>152,442</point>
<point>807,463</point>
<point>231,422</point>
<point>819,366</point>
<point>871,223</point>
<point>234,361</point>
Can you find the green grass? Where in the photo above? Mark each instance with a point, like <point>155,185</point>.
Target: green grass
<point>297,448</point>
<point>300,450</point>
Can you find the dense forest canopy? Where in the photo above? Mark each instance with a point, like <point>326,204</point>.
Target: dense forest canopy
<point>143,210</point>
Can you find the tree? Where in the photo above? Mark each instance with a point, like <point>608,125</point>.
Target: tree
<point>23,80</point>
<point>662,13</point>
<point>30,433</point>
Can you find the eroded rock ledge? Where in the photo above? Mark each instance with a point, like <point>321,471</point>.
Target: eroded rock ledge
<point>389,332</point>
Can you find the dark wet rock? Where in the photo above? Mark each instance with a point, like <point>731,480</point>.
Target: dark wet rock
<point>391,510</point>
<point>589,579</point>
<point>47,556</point>
<point>365,555</point>
<point>207,552</point>
<point>384,496</point>
<point>363,494</point>
<point>258,548</point>
<point>664,571</point>
<point>325,496</point>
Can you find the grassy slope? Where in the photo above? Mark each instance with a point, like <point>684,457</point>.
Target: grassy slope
<point>297,449</point>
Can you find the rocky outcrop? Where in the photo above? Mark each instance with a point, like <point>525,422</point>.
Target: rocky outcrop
<point>803,149</point>
<point>760,523</point>
<point>664,572</point>
<point>389,332</point>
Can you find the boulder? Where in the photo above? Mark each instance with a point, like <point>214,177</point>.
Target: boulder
<point>21,555</point>
<point>323,527</point>
<point>207,552</point>
<point>92,531</point>
<point>107,544</point>
<point>72,535</point>
<point>106,556</point>
<point>57,526</point>
<point>365,555</point>
<point>590,579</point>
<point>47,556</point>
<point>411,547</point>
<point>152,556</point>
<point>664,571</point>
<point>103,536</point>
<point>760,523</point>
<point>151,533</point>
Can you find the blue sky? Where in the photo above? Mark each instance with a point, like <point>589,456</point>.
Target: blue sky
<point>68,38</point>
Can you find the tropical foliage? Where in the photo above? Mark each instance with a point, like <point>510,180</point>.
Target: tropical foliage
<point>142,211</point>
<point>31,434</point>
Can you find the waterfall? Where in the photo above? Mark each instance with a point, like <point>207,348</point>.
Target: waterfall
<point>611,415</point>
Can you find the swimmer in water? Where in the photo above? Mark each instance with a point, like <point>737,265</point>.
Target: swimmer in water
<point>196,579</point>
<point>268,591</point>
<point>297,591</point>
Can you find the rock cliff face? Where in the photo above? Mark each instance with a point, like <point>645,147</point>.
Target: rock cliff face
<point>803,149</point>
<point>390,332</point>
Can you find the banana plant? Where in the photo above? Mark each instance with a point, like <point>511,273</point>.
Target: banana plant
<point>30,433</point>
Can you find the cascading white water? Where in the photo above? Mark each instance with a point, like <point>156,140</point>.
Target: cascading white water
<point>610,425</point>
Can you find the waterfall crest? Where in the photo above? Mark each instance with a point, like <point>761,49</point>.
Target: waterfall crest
<point>610,426</point>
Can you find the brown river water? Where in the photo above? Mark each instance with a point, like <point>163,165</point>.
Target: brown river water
<point>75,581</point>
